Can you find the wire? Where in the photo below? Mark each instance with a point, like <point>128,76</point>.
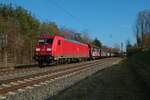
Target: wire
<point>68,13</point>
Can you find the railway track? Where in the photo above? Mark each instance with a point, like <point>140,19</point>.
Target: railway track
<point>17,84</point>
<point>21,83</point>
<point>13,70</point>
<point>27,68</point>
<point>13,73</point>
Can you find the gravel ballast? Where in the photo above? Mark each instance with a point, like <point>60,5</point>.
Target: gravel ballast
<point>35,70</point>
<point>49,88</point>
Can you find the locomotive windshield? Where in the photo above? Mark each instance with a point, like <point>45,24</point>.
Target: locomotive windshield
<point>45,41</point>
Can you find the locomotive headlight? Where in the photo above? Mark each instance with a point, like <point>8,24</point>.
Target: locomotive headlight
<point>49,49</point>
<point>37,49</point>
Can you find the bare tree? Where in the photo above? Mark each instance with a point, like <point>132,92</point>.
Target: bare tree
<point>142,28</point>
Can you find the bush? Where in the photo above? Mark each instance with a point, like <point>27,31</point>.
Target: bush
<point>132,51</point>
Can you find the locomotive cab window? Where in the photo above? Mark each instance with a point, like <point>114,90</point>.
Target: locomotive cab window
<point>45,41</point>
<point>41,41</point>
<point>49,41</point>
<point>59,42</point>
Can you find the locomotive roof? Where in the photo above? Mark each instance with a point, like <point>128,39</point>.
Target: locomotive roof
<point>74,41</point>
<point>49,36</point>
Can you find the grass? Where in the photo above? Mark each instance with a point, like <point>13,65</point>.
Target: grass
<point>143,57</point>
<point>140,64</point>
<point>119,82</point>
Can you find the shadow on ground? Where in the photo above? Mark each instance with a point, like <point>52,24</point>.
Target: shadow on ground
<point>119,82</point>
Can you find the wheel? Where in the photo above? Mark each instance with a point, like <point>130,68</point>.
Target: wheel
<point>40,64</point>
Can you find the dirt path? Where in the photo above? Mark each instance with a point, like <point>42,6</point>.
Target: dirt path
<point>115,83</point>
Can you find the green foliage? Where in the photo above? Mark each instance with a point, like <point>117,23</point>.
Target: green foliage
<point>97,42</point>
<point>20,27</point>
<point>78,37</point>
<point>28,24</point>
<point>22,17</point>
<point>6,10</point>
<point>49,28</point>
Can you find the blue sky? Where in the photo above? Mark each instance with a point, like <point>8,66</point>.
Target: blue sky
<point>112,21</point>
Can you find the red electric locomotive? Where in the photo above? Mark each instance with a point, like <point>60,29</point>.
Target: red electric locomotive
<point>58,49</point>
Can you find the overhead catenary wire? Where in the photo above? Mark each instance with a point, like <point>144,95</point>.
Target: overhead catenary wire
<point>56,4</point>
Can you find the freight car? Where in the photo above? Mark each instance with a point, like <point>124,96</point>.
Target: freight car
<point>58,49</point>
<point>95,52</point>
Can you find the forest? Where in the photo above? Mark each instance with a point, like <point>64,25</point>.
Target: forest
<point>19,30</point>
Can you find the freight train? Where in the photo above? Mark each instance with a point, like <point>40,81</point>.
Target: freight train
<point>58,49</point>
